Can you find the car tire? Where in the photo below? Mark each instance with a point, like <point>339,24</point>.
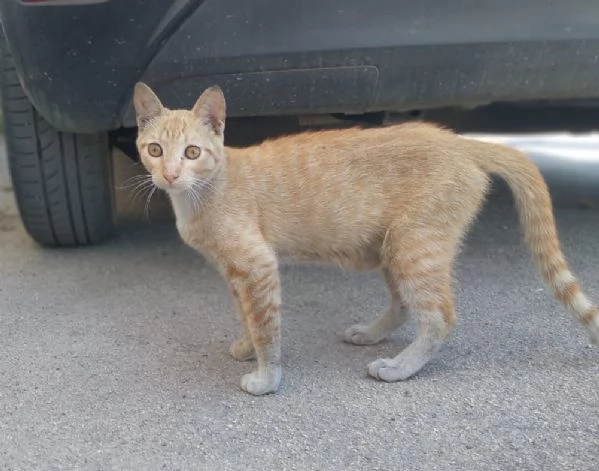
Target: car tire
<point>63,182</point>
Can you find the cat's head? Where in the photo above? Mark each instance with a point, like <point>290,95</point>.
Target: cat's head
<point>180,148</point>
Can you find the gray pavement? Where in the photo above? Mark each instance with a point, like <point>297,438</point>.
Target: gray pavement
<point>115,357</point>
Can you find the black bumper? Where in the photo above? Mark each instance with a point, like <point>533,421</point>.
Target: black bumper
<point>78,63</point>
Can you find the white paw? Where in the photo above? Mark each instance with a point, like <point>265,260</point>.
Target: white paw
<point>260,382</point>
<point>359,334</point>
<point>387,369</point>
<point>242,350</point>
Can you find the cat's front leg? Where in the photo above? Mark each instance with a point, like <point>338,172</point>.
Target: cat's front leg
<point>241,349</point>
<point>259,292</point>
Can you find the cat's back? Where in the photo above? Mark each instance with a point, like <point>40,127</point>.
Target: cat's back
<point>358,156</point>
<point>362,145</point>
<point>351,168</point>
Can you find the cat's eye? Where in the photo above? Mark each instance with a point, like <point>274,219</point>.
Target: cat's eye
<point>192,152</point>
<point>155,150</point>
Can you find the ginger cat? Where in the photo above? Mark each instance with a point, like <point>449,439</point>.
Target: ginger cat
<point>397,198</point>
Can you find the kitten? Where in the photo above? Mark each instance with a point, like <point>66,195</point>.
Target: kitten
<point>398,198</point>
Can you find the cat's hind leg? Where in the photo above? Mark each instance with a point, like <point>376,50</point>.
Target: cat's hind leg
<point>420,265</point>
<point>385,324</point>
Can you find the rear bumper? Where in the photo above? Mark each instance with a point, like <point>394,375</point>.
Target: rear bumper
<point>278,58</point>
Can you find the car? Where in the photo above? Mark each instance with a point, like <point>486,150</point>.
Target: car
<point>69,67</point>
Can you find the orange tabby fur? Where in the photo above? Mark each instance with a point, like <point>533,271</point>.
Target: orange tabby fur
<point>398,198</point>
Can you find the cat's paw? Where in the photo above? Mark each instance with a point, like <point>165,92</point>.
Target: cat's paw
<point>242,350</point>
<point>389,370</point>
<point>360,334</point>
<point>260,382</point>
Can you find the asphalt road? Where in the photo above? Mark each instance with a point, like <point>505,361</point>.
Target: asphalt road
<point>115,357</point>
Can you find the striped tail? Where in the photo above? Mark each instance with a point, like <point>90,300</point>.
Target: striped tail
<point>536,217</point>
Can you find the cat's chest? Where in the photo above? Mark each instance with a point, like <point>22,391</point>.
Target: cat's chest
<point>190,228</point>
<point>193,233</point>
<point>185,231</point>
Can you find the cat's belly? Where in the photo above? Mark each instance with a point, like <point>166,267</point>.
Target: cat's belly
<point>359,259</point>
<point>351,249</point>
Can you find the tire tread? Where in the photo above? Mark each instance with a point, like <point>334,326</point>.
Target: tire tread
<point>62,181</point>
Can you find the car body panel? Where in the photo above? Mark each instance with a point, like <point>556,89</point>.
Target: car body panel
<point>281,58</point>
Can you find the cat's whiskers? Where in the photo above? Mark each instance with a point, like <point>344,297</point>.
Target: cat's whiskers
<point>198,191</point>
<point>139,189</point>
<point>134,181</point>
<point>191,196</point>
<point>147,206</point>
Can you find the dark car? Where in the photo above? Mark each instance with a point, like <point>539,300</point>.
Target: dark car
<point>69,67</point>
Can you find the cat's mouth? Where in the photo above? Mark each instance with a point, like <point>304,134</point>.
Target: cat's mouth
<point>195,189</point>
<point>175,186</point>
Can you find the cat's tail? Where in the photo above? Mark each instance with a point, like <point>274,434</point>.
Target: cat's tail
<point>536,217</point>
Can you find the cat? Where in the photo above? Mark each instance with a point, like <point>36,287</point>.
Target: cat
<point>399,198</point>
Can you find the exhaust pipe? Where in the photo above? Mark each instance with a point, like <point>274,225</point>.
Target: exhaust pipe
<point>569,163</point>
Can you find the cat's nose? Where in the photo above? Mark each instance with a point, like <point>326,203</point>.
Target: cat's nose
<point>169,177</point>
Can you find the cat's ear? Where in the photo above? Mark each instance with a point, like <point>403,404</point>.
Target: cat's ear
<point>211,108</point>
<point>147,105</point>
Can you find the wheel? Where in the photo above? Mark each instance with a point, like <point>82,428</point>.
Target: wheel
<point>63,181</point>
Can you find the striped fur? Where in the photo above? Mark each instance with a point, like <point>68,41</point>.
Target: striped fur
<point>398,198</point>
<point>536,217</point>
